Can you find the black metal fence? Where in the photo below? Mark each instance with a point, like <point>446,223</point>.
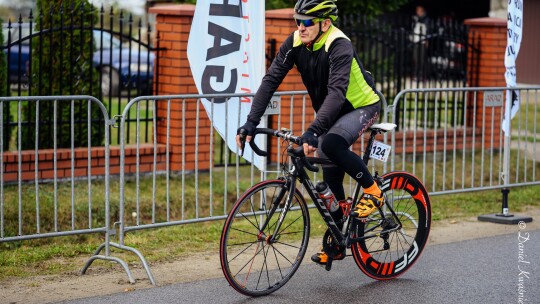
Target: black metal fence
<point>400,56</point>
<point>123,56</point>
<point>444,54</point>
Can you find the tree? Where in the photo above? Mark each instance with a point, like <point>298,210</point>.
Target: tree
<point>3,67</point>
<point>4,87</point>
<point>61,64</point>
<point>68,44</point>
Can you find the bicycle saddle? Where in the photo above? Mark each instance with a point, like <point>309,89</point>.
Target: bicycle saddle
<point>385,126</point>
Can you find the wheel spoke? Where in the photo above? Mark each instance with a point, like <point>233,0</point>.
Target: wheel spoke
<point>257,250</point>
<point>280,253</point>
<point>244,231</point>
<point>277,260</point>
<point>251,244</point>
<point>263,266</point>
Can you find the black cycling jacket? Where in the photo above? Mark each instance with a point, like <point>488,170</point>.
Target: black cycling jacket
<point>332,73</point>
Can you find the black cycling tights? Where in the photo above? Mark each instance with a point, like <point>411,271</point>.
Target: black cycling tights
<point>337,150</point>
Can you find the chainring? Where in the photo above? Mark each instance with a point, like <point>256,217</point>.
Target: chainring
<point>330,247</point>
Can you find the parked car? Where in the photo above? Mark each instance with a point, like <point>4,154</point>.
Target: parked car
<point>121,65</point>
<point>117,61</point>
<point>17,56</point>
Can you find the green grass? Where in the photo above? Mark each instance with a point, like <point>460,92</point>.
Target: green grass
<point>437,173</point>
<point>527,119</point>
<point>472,204</point>
<point>146,135</point>
<point>68,254</point>
<point>144,110</point>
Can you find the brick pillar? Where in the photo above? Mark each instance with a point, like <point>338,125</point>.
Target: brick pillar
<point>173,24</point>
<point>491,33</point>
<point>279,25</point>
<point>491,36</point>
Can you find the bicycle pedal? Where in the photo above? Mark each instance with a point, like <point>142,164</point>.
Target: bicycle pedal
<point>328,265</point>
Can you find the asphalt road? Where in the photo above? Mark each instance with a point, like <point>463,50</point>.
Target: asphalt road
<point>500,269</point>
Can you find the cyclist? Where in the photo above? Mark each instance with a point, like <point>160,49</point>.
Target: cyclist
<point>342,94</point>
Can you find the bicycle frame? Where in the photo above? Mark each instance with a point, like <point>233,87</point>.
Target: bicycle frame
<point>298,171</point>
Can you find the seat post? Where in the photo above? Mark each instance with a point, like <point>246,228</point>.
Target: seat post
<point>369,146</point>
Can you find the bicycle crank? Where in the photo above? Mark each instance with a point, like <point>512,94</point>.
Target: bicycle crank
<point>331,248</point>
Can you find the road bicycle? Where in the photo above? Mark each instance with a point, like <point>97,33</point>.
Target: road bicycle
<point>265,235</point>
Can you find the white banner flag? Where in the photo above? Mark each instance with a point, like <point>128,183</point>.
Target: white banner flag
<point>226,55</point>
<point>515,30</point>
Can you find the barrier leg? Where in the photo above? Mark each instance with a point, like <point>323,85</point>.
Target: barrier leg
<point>109,258</point>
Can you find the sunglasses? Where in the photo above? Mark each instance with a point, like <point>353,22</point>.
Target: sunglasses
<point>307,22</point>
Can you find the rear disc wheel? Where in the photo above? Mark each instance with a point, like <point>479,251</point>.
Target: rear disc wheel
<point>391,254</point>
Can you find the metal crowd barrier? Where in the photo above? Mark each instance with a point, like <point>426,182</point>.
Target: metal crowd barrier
<point>467,126</point>
<point>450,138</point>
<point>461,146</point>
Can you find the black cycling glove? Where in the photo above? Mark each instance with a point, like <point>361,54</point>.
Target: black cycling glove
<point>310,138</point>
<point>247,129</point>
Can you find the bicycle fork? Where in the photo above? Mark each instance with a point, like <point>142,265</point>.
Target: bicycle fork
<point>289,186</point>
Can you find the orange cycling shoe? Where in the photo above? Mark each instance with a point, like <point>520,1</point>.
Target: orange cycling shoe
<point>321,258</point>
<point>367,204</point>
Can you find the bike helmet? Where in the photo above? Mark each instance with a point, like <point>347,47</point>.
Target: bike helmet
<point>309,9</point>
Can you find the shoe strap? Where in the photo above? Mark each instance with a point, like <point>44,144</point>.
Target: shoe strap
<point>371,198</point>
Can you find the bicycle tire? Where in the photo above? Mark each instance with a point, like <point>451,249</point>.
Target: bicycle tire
<point>252,263</point>
<point>410,202</point>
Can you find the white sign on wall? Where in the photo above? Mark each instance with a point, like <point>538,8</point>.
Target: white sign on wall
<point>493,98</point>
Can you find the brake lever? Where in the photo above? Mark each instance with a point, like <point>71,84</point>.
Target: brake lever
<point>242,144</point>
<point>300,151</point>
<point>243,135</point>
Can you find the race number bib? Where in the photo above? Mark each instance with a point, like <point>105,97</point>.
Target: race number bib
<point>380,151</point>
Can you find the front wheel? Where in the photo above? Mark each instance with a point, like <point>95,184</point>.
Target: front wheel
<point>388,255</point>
<point>262,247</point>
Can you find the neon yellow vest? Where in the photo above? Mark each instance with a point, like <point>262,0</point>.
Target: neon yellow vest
<point>359,93</point>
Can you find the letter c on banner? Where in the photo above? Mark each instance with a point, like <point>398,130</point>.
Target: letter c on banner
<point>217,72</point>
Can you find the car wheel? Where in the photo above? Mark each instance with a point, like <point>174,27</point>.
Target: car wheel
<point>110,81</point>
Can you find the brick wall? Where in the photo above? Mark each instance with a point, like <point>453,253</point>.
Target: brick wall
<point>81,164</point>
<point>491,35</point>
<point>173,24</point>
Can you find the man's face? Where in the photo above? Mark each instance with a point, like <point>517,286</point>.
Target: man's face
<point>308,29</point>
<point>420,11</point>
